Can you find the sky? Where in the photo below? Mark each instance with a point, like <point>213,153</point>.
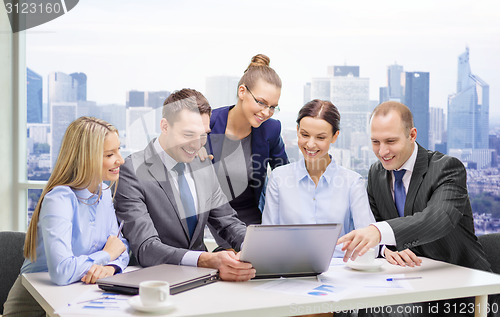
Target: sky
<point>168,45</point>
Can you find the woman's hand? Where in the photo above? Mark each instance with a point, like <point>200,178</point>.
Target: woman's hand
<point>114,246</point>
<point>203,155</point>
<point>96,272</point>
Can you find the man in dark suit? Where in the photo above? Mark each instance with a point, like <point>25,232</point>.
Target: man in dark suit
<point>166,195</point>
<point>434,218</point>
<point>418,197</point>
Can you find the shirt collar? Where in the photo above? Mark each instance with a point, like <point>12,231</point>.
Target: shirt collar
<point>167,160</point>
<point>86,195</point>
<point>301,171</point>
<point>410,163</point>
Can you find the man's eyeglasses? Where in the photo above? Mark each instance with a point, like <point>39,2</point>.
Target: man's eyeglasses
<point>272,109</point>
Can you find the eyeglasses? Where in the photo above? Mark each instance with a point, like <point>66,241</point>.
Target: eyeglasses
<point>272,109</point>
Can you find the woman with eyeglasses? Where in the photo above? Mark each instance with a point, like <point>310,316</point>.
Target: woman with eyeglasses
<point>73,233</point>
<point>315,189</point>
<point>244,140</point>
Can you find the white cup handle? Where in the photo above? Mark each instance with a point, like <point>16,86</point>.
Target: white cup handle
<point>163,296</point>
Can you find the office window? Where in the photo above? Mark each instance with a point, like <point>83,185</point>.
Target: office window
<point>118,60</point>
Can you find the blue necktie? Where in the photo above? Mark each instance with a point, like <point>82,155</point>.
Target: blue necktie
<point>186,198</point>
<point>399,191</point>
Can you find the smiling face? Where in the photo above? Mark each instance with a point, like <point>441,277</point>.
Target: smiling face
<point>391,142</point>
<point>112,158</point>
<point>265,93</point>
<point>314,138</point>
<point>183,138</point>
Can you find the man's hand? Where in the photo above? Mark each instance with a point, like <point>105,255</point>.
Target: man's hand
<point>229,265</point>
<point>203,155</point>
<point>357,242</point>
<point>402,258</point>
<point>96,272</point>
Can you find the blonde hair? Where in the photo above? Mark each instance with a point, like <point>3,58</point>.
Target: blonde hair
<point>79,165</point>
<point>259,69</point>
<point>404,112</point>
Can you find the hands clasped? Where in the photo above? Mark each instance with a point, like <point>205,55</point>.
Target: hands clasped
<point>402,258</point>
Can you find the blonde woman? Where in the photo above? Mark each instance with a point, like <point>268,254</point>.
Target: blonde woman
<point>73,233</point>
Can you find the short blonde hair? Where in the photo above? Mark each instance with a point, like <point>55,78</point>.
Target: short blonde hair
<point>79,165</point>
<point>404,113</point>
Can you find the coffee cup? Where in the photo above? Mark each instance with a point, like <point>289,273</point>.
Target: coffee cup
<point>366,258</point>
<point>154,293</point>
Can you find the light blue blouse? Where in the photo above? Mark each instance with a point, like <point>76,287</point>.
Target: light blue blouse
<point>72,231</point>
<point>340,197</point>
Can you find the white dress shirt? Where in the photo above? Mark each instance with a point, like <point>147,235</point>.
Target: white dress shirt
<point>386,233</point>
<point>191,257</point>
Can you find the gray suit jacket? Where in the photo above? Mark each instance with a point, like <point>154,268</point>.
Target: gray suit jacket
<point>438,219</point>
<point>154,226</point>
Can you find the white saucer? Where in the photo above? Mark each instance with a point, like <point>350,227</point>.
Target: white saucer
<point>374,266</point>
<point>136,303</point>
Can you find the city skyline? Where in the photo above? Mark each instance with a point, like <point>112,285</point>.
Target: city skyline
<point>137,48</point>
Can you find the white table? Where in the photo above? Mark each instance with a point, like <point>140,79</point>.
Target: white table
<point>439,281</point>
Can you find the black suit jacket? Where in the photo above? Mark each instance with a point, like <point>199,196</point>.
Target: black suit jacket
<point>438,221</point>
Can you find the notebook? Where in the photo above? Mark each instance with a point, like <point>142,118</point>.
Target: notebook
<point>180,277</point>
<point>290,250</point>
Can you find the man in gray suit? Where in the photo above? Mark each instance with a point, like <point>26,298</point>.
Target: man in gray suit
<point>166,195</point>
<point>418,197</point>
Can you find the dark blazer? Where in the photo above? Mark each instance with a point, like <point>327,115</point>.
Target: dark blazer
<point>267,146</point>
<point>154,226</point>
<point>438,219</point>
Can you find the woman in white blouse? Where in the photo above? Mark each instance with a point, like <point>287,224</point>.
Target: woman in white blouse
<point>315,189</point>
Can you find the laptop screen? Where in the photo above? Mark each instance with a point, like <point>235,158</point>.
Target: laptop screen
<point>290,250</point>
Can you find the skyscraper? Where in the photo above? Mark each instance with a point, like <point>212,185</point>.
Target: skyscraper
<point>34,85</point>
<point>417,99</point>
<point>155,99</point>
<point>320,88</point>
<point>307,93</point>
<point>81,85</point>
<point>437,127</point>
<point>221,90</point>
<point>395,84</point>
<point>63,91</point>
<point>135,98</point>
<point>62,88</point>
<point>468,109</point>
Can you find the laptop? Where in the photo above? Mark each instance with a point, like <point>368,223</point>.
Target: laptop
<point>180,277</point>
<point>290,250</point>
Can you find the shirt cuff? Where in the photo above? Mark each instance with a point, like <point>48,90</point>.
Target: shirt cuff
<point>100,257</point>
<point>386,233</point>
<point>382,250</point>
<point>190,258</point>
<point>116,267</point>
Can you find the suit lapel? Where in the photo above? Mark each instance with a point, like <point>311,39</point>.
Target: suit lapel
<point>218,124</point>
<point>159,172</point>
<point>419,171</point>
<point>385,188</point>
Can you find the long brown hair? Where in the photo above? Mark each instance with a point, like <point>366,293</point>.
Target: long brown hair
<point>79,165</point>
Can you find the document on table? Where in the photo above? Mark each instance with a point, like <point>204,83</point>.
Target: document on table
<point>339,283</point>
<point>356,280</point>
<point>96,302</point>
<point>306,288</point>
